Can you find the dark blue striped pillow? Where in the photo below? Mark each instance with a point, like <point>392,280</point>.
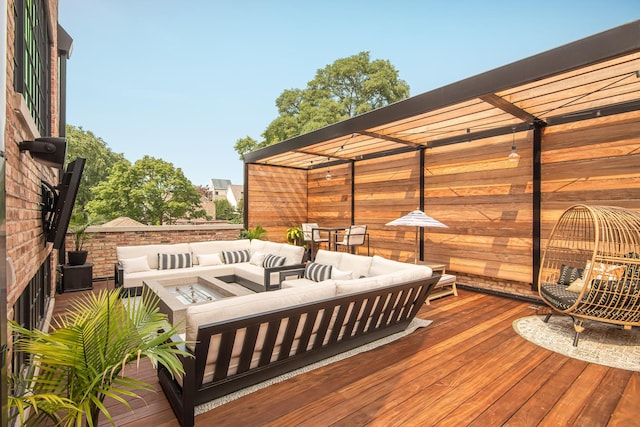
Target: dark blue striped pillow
<point>317,272</point>
<point>273,261</point>
<point>234,257</point>
<point>171,261</point>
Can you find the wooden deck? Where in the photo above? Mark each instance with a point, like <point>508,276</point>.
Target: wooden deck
<point>468,367</point>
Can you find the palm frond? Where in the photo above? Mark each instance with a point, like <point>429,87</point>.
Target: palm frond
<point>83,358</point>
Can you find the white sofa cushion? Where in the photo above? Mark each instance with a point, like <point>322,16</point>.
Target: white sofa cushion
<point>380,266</point>
<point>231,308</point>
<point>217,246</point>
<point>292,253</point>
<point>358,264</point>
<point>151,251</point>
<point>134,265</point>
<point>208,259</point>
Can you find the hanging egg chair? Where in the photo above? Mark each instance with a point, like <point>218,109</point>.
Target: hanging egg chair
<point>590,269</point>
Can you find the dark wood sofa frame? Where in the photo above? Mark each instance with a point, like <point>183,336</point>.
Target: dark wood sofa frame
<point>385,311</point>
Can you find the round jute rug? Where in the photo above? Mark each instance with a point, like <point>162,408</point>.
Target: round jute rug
<point>600,343</point>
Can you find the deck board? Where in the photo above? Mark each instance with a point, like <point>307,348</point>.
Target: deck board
<point>467,368</point>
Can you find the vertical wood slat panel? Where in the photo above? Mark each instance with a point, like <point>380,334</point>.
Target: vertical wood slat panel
<point>277,199</point>
<point>594,162</point>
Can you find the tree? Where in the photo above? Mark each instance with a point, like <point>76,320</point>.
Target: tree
<point>348,87</point>
<point>100,160</point>
<point>151,191</point>
<point>224,210</point>
<point>246,145</point>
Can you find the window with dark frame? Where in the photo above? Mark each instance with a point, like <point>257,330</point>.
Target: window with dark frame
<point>32,62</point>
<point>29,310</point>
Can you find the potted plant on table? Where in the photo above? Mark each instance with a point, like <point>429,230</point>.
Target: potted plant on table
<point>73,368</point>
<point>295,236</point>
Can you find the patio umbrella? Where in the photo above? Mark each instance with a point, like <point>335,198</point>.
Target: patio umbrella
<point>417,219</point>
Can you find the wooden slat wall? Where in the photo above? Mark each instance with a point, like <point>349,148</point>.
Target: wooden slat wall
<point>385,189</point>
<point>594,162</point>
<point>486,201</point>
<point>277,199</point>
<point>330,199</point>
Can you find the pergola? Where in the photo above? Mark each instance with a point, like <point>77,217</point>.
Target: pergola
<point>596,76</point>
<point>590,79</point>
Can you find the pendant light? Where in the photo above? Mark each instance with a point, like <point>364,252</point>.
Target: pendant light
<point>514,156</point>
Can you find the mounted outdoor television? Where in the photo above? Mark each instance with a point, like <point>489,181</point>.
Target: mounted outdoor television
<point>58,203</point>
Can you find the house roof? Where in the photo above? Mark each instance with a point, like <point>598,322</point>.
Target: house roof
<point>592,77</point>
<point>221,184</point>
<point>122,221</point>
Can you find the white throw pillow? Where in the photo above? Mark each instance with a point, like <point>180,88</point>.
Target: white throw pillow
<point>134,265</point>
<point>209,259</point>
<point>257,258</point>
<point>340,274</point>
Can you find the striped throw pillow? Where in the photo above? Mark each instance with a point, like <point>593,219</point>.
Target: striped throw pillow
<point>273,261</point>
<point>234,257</point>
<point>171,261</point>
<point>317,272</point>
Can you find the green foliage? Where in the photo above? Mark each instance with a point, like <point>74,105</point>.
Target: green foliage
<point>224,210</point>
<point>254,233</point>
<point>100,160</point>
<point>151,191</point>
<point>348,87</point>
<point>295,236</point>
<point>83,359</point>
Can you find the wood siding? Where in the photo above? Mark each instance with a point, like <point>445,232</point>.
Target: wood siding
<point>486,201</point>
<point>277,199</point>
<point>595,162</point>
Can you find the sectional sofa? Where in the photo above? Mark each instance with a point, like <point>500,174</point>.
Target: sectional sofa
<point>255,263</point>
<point>338,302</point>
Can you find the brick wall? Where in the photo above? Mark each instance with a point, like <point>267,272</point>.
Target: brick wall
<point>25,244</point>
<point>103,241</point>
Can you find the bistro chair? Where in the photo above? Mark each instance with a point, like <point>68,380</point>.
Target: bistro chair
<point>591,267</point>
<point>356,235</point>
<point>312,237</point>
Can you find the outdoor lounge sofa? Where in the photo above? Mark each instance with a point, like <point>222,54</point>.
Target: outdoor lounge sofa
<point>246,259</point>
<point>241,341</point>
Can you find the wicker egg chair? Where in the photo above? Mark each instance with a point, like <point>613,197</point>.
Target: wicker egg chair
<point>591,267</point>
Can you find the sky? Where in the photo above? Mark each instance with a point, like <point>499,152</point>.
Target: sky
<point>182,81</point>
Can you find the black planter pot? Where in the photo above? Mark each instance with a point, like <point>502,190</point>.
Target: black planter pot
<point>77,257</point>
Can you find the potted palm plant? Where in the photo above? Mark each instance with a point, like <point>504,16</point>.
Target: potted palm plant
<point>73,368</point>
<point>78,228</point>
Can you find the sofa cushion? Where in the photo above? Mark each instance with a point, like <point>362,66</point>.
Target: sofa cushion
<point>171,261</point>
<point>133,265</point>
<point>328,257</point>
<point>257,258</point>
<point>217,246</point>
<point>234,257</point>
<point>209,259</point>
<point>252,272</point>
<point>292,253</point>
<point>358,264</point>
<point>380,266</point>
<point>231,308</point>
<point>151,252</point>
<point>340,274</point>
<point>271,261</point>
<point>355,285</point>
<point>317,272</point>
